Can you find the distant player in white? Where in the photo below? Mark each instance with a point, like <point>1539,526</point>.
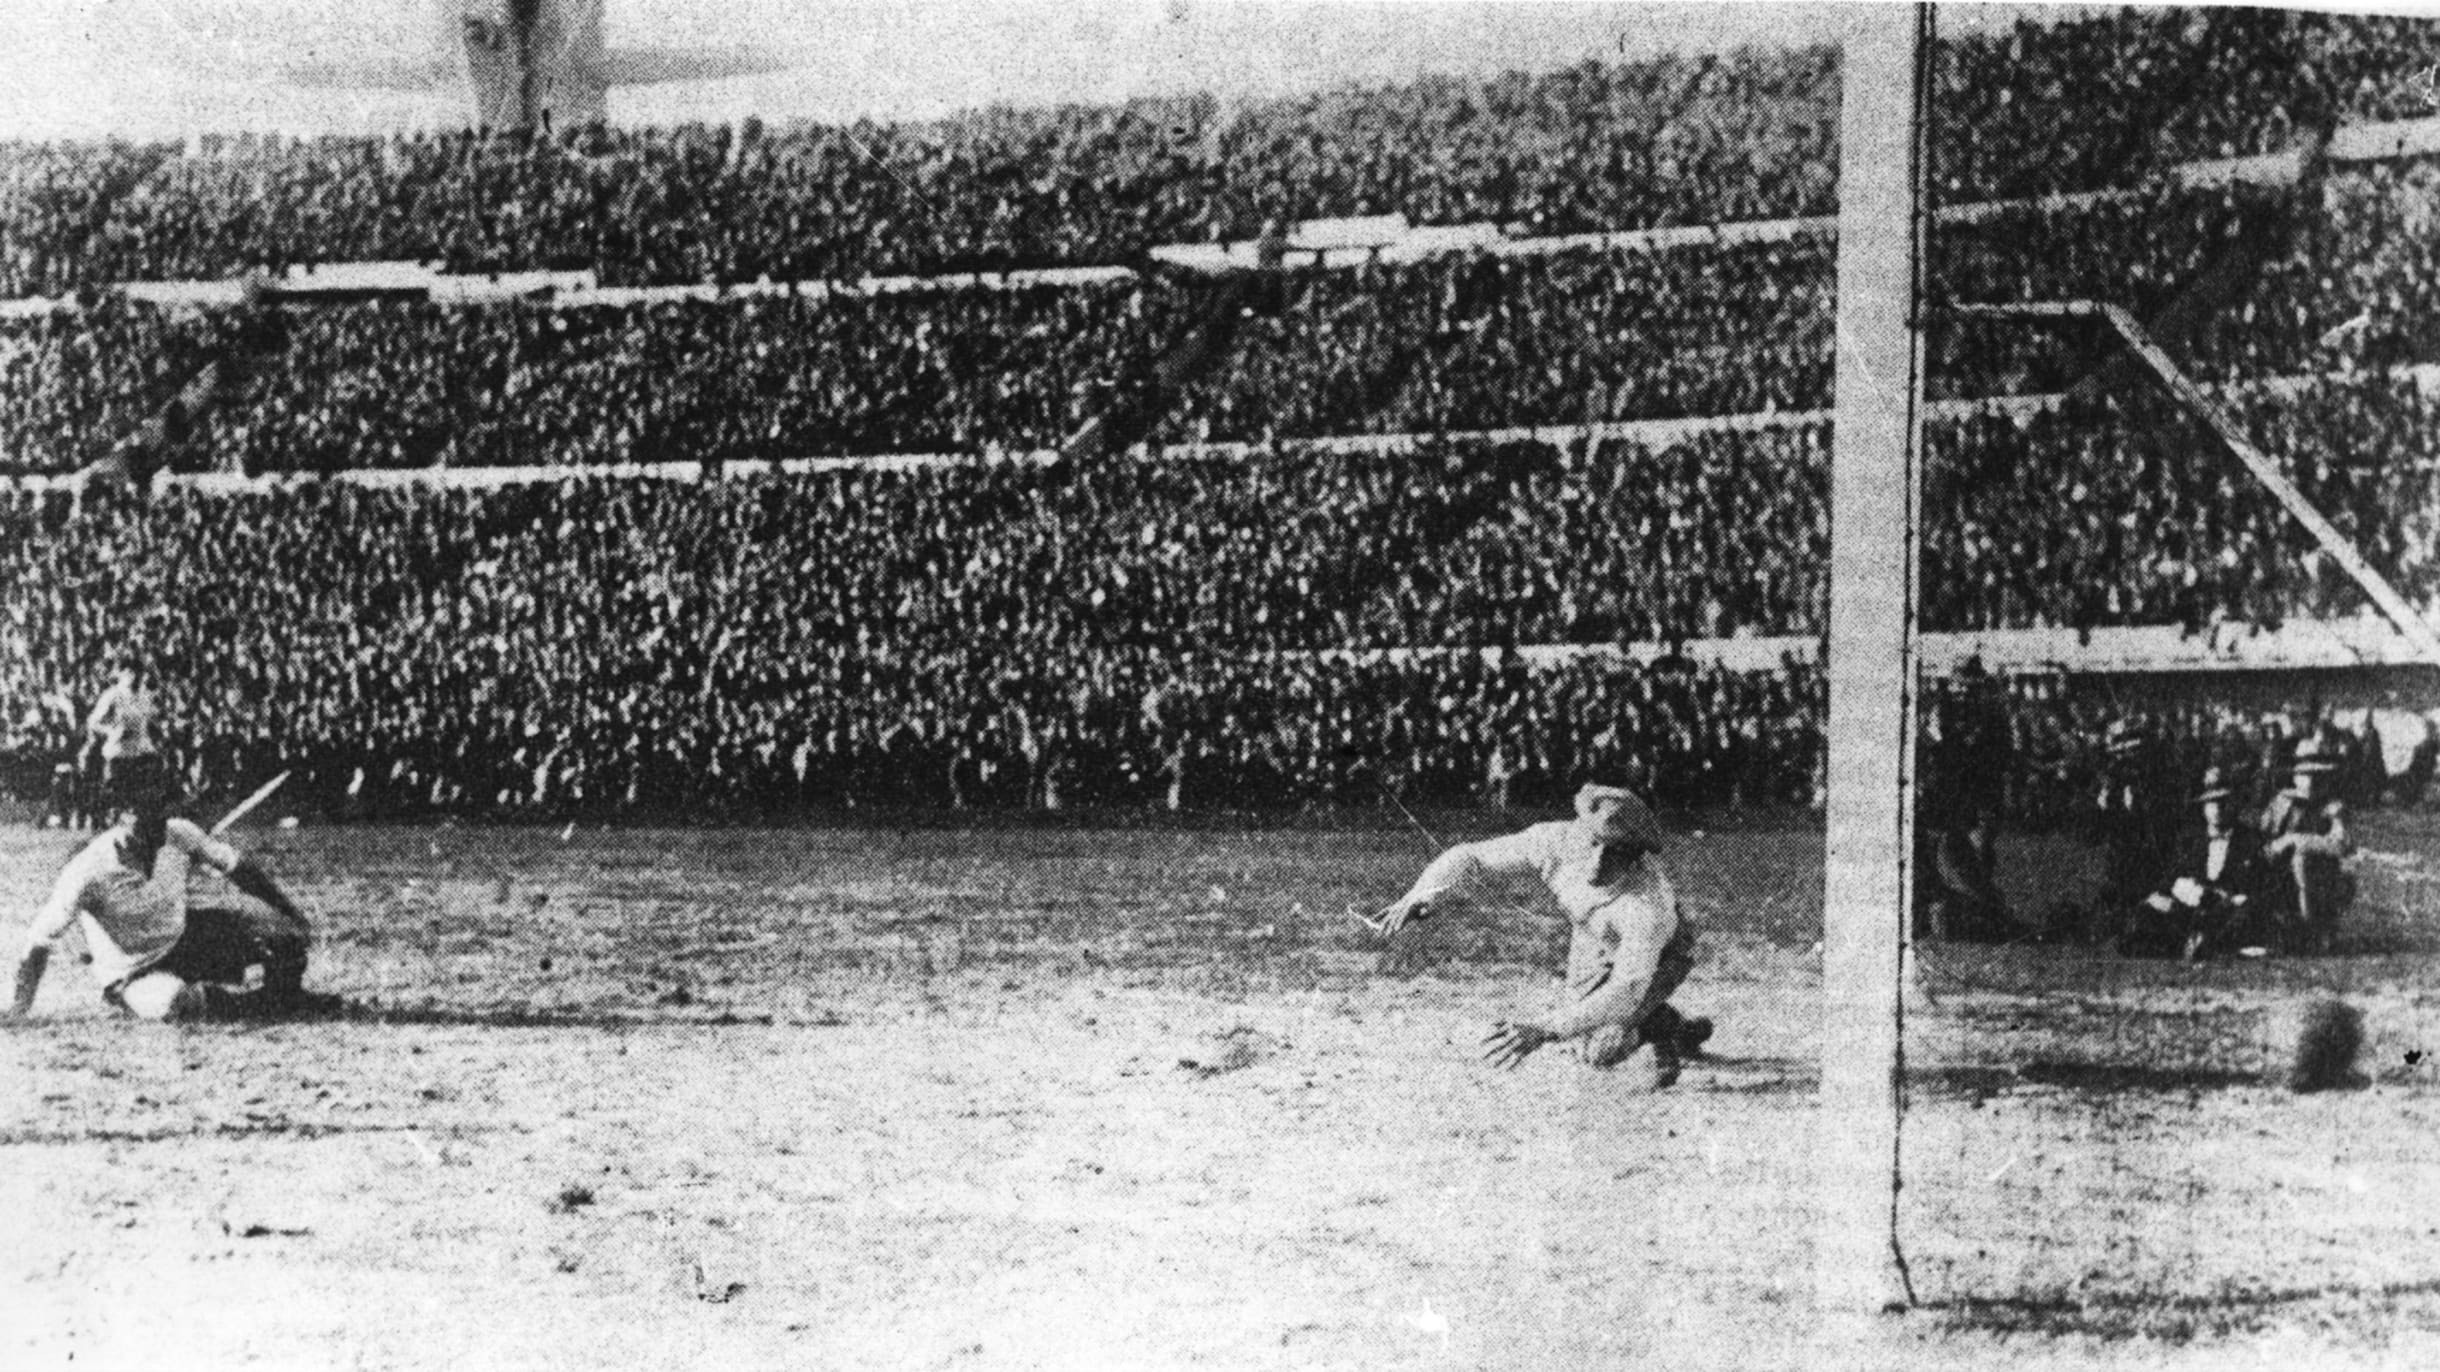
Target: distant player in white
<point>156,958</point>
<point>121,725</point>
<point>1631,946</point>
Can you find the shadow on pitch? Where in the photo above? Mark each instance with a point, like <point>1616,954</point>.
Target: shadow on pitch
<point>1971,1082</point>
<point>2118,1078</point>
<point>671,1016</point>
<point>537,1017</point>
<point>306,1130</point>
<point>1714,1075</point>
<point>1783,1076</point>
<point>2159,1316</point>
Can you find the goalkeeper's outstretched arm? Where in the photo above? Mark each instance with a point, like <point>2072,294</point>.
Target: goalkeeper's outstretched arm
<point>1513,855</point>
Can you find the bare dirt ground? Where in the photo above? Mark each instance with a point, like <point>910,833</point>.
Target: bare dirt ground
<point>1105,1097</point>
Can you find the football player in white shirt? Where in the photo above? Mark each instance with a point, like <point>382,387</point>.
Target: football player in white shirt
<point>1631,945</point>
<point>156,958</point>
<point>121,725</point>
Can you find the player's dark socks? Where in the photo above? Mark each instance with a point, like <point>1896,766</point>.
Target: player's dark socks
<point>205,1003</point>
<point>296,1004</point>
<point>1684,1036</point>
<point>1667,1064</point>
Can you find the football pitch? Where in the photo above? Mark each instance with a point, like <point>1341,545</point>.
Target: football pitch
<point>1106,1095</point>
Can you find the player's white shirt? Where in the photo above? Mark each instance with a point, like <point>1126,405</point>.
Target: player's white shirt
<point>130,920</point>
<point>1629,914</point>
<point>123,717</point>
<point>1568,860</point>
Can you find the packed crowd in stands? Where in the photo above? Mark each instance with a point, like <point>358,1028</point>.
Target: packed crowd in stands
<point>2125,512</point>
<point>1455,344</point>
<point>2341,276</point>
<point>628,647</point>
<point>2095,513</point>
<point>1489,342</point>
<point>1467,343</point>
<point>2088,515</point>
<point>2358,287</point>
<point>2100,102</point>
<point>1673,141</point>
<point>1295,626</point>
<point>2086,102</point>
<point>1015,634</point>
<point>2106,513</point>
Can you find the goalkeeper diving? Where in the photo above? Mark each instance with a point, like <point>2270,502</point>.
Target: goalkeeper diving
<point>1630,945</point>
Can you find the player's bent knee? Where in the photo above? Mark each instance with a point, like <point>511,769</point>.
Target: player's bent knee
<point>162,998</point>
<point>1609,1046</point>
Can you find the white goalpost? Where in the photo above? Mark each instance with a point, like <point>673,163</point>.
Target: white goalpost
<point>1875,507</point>
<point>1874,495</point>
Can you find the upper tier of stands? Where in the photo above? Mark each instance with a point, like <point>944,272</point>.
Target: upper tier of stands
<point>2092,102</point>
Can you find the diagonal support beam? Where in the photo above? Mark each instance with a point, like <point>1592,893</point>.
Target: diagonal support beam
<point>2410,623</point>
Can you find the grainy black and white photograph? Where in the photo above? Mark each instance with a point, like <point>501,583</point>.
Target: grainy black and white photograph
<point>1193,683</point>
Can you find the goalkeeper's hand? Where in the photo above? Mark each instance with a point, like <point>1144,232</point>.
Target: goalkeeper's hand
<point>1391,918</point>
<point>1511,1043</point>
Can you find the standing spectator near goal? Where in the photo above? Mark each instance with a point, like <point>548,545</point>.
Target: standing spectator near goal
<point>2134,819</point>
<point>1957,892</point>
<point>2416,777</point>
<point>2304,842</point>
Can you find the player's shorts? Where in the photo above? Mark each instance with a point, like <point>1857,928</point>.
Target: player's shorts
<point>219,945</point>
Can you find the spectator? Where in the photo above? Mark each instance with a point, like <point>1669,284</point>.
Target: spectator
<point>1957,894</point>
<point>2307,891</point>
<point>2209,903</point>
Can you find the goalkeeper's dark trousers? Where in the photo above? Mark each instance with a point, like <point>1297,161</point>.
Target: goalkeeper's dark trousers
<point>199,976</point>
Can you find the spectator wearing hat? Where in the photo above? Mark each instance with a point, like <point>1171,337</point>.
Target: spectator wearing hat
<point>2134,820</point>
<point>2305,843</point>
<point>2208,901</point>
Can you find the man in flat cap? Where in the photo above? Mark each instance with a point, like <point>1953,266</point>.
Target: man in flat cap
<point>1630,944</point>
